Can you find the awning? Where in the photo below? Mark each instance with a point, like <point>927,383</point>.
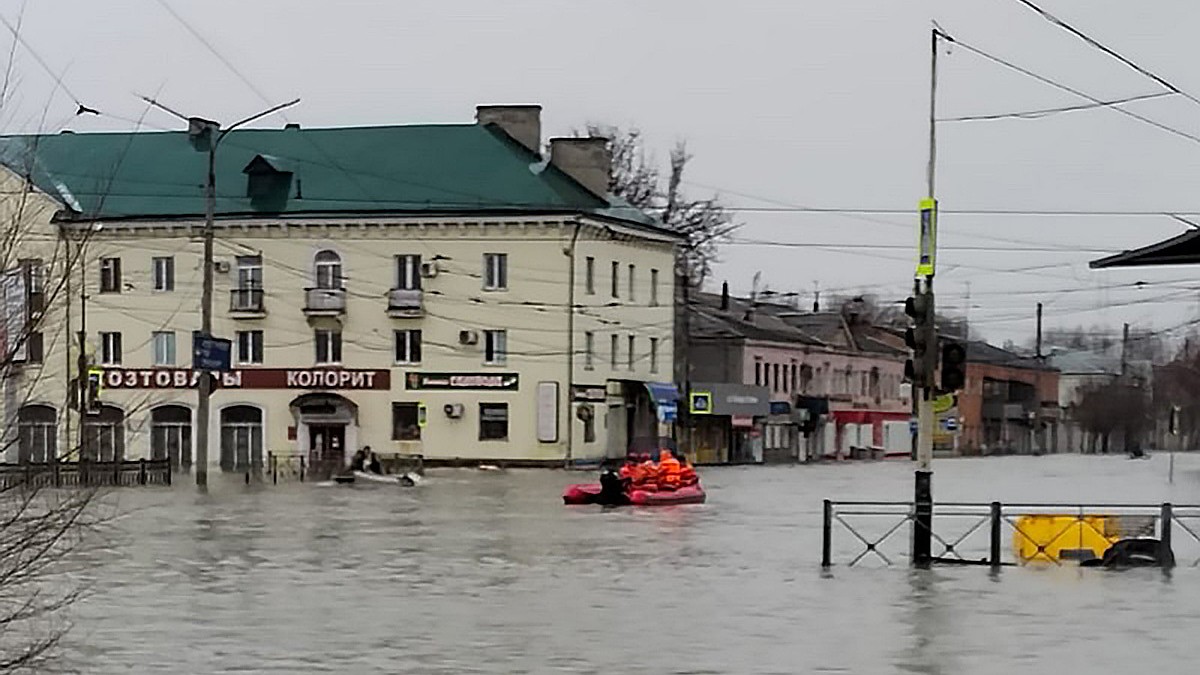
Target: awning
<point>1183,249</point>
<point>666,399</point>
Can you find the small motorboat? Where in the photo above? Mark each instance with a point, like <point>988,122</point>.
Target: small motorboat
<point>405,479</point>
<point>589,493</point>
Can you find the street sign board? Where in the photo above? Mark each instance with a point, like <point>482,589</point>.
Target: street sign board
<point>927,238</point>
<point>912,427</point>
<point>210,353</point>
<point>950,424</point>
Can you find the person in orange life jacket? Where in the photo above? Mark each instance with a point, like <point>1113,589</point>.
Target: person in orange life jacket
<point>687,473</point>
<point>668,470</point>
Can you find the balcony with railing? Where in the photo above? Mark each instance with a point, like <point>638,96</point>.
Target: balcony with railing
<point>324,301</point>
<point>406,303</point>
<point>246,303</point>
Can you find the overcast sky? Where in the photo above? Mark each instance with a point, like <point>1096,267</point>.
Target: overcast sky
<point>797,102</point>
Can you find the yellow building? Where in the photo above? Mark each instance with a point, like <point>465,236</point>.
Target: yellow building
<point>415,289</point>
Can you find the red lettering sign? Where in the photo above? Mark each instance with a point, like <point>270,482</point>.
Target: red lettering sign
<point>339,379</point>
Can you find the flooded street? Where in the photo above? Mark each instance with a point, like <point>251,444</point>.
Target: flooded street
<point>488,573</point>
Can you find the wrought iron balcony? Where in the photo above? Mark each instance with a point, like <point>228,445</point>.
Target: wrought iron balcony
<point>246,302</point>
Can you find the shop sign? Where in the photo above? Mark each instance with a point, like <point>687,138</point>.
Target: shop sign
<point>742,421</point>
<point>589,392</point>
<point>341,379</point>
<point>457,381</point>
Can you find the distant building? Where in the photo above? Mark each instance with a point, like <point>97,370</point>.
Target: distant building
<point>404,287</point>
<point>835,383</point>
<point>1009,405</point>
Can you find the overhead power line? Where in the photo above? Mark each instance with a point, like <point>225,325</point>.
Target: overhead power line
<point>1106,49</point>
<point>1045,112</point>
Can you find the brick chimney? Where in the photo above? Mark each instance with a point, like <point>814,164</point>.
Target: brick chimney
<point>521,122</point>
<point>587,160</point>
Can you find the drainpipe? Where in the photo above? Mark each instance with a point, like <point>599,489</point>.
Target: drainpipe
<point>569,459</point>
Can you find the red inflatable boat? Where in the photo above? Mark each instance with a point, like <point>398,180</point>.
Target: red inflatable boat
<point>589,493</point>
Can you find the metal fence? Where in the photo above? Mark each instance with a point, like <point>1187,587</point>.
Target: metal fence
<point>996,534</point>
<point>124,473</point>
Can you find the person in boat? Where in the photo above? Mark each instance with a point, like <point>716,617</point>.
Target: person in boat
<point>371,461</point>
<point>669,470</point>
<point>360,457</point>
<point>613,487</point>
<point>687,473</point>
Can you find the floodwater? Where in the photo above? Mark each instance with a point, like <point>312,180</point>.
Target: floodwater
<point>476,572</point>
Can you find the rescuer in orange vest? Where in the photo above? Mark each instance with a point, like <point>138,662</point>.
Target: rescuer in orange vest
<point>668,470</point>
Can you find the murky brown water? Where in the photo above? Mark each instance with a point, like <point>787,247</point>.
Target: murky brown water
<point>489,573</point>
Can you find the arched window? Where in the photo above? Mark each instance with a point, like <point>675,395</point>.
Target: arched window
<point>328,270</point>
<point>171,435</point>
<point>104,434</point>
<point>241,438</point>
<point>37,427</point>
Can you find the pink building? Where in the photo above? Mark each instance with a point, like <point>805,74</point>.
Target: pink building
<point>836,383</point>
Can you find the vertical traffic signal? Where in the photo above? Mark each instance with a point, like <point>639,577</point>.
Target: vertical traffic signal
<point>954,367</point>
<point>921,338</point>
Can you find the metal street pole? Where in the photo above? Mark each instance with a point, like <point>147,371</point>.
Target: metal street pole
<point>923,477</point>
<point>198,127</point>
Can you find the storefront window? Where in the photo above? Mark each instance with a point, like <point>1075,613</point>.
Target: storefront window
<point>493,421</point>
<point>406,421</point>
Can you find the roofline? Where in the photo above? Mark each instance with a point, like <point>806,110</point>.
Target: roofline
<point>1129,258</point>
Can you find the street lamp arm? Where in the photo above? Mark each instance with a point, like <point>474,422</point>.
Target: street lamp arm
<point>253,117</point>
<point>156,104</point>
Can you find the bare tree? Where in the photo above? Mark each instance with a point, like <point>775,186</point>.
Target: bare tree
<point>704,223</point>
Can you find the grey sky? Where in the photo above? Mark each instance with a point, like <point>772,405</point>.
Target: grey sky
<point>800,102</point>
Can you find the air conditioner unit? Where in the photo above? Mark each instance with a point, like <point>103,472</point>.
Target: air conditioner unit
<point>429,270</point>
<point>221,266</point>
<point>468,337</point>
<point>453,410</point>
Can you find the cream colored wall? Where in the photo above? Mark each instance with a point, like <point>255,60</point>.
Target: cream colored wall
<point>533,310</point>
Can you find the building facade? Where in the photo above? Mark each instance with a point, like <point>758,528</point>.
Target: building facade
<point>436,290</point>
<point>1009,404</point>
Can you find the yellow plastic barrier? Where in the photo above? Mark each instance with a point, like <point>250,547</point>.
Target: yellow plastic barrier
<point>1055,538</point>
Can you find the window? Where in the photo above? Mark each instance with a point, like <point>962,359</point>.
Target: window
<point>654,355</point>
<point>795,383</point>
<point>408,346</point>
<point>250,347</point>
<point>329,345</point>
<point>654,288</point>
<point>37,434</point>
<point>164,348</point>
<point>589,272</point>
<point>35,275</point>
<point>408,272</point>
<point>495,271</point>
<point>406,421</point>
<point>616,282</point>
<point>758,368</point>
<point>171,435</point>
<point>632,282</point>
<point>34,347</point>
<point>163,271</point>
<point>104,434</point>
<point>776,369</point>
<point>110,349</point>
<point>328,270</point>
<point>616,348</point>
<point>589,350</point>
<point>249,271</point>
<point>241,437</point>
<point>629,358</point>
<point>495,347</point>
<point>110,275</point>
<point>493,421</point>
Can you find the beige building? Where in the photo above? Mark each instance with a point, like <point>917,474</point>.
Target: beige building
<point>437,290</point>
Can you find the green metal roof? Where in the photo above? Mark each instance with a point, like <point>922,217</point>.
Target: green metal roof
<point>355,170</point>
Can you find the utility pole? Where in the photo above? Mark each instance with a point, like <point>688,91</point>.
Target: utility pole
<point>924,338</point>
<point>1038,340</point>
<point>199,130</point>
<point>569,459</point>
<point>1125,351</point>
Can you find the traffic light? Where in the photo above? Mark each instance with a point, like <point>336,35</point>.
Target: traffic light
<point>921,338</point>
<point>93,390</point>
<point>954,367</point>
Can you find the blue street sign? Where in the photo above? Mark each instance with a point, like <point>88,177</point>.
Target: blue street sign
<point>950,424</point>
<point>912,427</point>
<point>210,353</point>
